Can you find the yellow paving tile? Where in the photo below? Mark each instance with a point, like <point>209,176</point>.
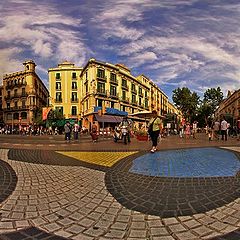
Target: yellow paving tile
<point>106,159</point>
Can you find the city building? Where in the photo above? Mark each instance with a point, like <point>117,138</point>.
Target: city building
<point>103,92</point>
<point>110,91</point>
<point>229,107</point>
<point>65,89</point>
<point>23,94</point>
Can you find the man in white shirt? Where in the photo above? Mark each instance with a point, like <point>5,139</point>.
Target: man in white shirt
<point>224,127</point>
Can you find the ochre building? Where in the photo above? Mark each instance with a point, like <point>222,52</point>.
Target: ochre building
<point>65,89</point>
<point>230,107</point>
<point>23,94</point>
<point>103,92</point>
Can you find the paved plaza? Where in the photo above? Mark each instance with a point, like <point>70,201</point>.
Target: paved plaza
<point>50,189</point>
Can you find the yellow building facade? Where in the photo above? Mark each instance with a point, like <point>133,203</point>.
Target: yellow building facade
<point>230,107</point>
<point>65,89</point>
<point>23,93</point>
<point>103,92</point>
<point>112,89</point>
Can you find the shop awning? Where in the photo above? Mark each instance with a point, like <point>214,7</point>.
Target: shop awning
<point>108,118</point>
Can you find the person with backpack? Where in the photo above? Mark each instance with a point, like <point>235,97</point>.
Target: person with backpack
<point>154,128</point>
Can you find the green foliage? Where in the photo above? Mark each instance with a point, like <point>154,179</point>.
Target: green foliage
<point>186,101</point>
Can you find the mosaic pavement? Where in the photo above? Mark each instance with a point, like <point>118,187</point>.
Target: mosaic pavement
<point>70,195</point>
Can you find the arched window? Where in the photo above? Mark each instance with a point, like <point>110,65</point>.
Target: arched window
<point>9,116</point>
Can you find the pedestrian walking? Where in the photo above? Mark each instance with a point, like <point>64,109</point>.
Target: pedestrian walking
<point>238,129</point>
<point>194,129</point>
<point>67,130</point>
<point>93,133</point>
<point>154,128</point>
<point>75,131</point>
<point>188,130</point>
<point>224,127</point>
<point>216,129</point>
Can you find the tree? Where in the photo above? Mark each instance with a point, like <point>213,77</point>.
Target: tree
<point>212,97</point>
<point>186,101</point>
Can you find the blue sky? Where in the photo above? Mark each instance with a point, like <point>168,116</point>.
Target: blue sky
<point>192,43</point>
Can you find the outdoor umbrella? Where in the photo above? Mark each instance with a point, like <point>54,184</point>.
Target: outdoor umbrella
<point>143,114</point>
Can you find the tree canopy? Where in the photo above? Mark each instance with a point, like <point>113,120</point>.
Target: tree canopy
<point>186,101</point>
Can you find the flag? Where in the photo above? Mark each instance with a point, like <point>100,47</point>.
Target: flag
<point>45,112</point>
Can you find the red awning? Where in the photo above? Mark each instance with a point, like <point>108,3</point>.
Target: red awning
<point>108,118</point>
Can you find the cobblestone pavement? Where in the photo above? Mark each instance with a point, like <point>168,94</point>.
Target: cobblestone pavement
<point>57,196</point>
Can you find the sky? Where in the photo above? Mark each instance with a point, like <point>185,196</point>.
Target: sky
<point>181,43</point>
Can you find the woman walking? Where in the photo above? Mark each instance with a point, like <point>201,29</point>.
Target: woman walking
<point>154,128</point>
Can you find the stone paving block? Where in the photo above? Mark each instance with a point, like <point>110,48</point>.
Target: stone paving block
<point>219,226</point>
<point>192,223</point>
<point>175,228</point>
<point>22,223</point>
<point>123,218</point>
<point>65,222</point>
<point>6,225</point>
<point>159,231</point>
<point>38,221</point>
<point>163,238</point>
<point>52,227</point>
<point>230,220</point>
<point>138,225</point>
<point>31,215</point>
<point>115,234</point>
<point>202,230</point>
<point>170,221</point>
<point>138,217</point>
<point>76,216</point>
<point>186,236</point>
<point>63,213</point>
<point>154,223</point>
<point>82,237</point>
<point>86,222</point>
<point>52,217</point>
<point>138,233</point>
<point>94,231</point>
<point>17,215</point>
<point>206,220</point>
<point>120,226</point>
<point>94,215</point>
<point>63,233</point>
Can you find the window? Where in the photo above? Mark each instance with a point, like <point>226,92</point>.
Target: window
<point>140,101</point>
<point>140,91</point>
<point>74,110</point>
<point>99,102</point>
<point>23,104</point>
<point>58,85</point>
<point>146,103</point>
<point>58,76</point>
<point>23,91</point>
<point>133,98</point>
<point>86,74</point>
<point>113,90</point>
<point>9,116</point>
<point>59,109</point>
<point>58,96</point>
<point>16,104</point>
<point>100,73</point>
<point>113,77</point>
<point>74,85</point>
<point>112,104</point>
<point>123,108</point>
<point>15,92</point>
<point>146,94</point>
<point>133,87</point>
<point>124,82</point>
<point>86,87</point>
<point>8,106</point>
<point>124,95</point>
<point>15,116</point>
<point>74,96</point>
<point>8,93</point>
<point>24,115</point>
<point>100,87</point>
<point>74,75</point>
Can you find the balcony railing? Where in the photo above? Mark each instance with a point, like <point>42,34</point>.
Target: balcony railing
<point>134,103</point>
<point>114,95</point>
<point>125,100</point>
<point>74,100</point>
<point>101,92</point>
<point>134,90</point>
<point>114,81</point>
<point>102,78</point>
<point>16,108</point>
<point>58,100</point>
<point>140,94</point>
<point>125,87</point>
<point>15,85</point>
